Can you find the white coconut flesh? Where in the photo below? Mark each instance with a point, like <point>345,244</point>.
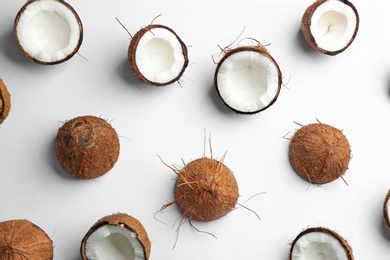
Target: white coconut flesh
<point>48,31</point>
<point>318,246</point>
<point>333,25</point>
<point>388,208</point>
<point>248,81</point>
<point>159,55</point>
<point>114,242</point>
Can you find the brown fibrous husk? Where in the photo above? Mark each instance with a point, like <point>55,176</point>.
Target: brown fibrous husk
<point>5,101</point>
<point>87,147</point>
<point>343,242</point>
<point>386,216</point>
<point>22,239</point>
<point>132,50</point>
<point>306,23</point>
<point>81,35</point>
<point>128,222</point>
<point>319,153</point>
<point>259,49</point>
<point>205,190</point>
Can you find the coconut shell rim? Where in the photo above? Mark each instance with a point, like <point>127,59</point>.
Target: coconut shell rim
<point>386,216</point>
<point>262,51</point>
<point>77,47</point>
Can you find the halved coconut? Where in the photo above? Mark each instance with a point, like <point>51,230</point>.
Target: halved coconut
<point>5,101</point>
<point>386,210</point>
<point>248,79</point>
<point>118,236</point>
<point>48,31</point>
<point>157,55</point>
<point>320,243</point>
<point>22,239</point>
<point>330,26</point>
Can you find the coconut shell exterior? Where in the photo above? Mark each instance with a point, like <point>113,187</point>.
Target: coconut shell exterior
<point>261,50</point>
<point>5,101</point>
<point>129,222</point>
<point>306,23</point>
<point>319,153</point>
<point>87,147</point>
<point>81,35</point>
<point>132,50</point>
<point>343,242</point>
<point>21,239</point>
<point>386,216</point>
<point>206,190</point>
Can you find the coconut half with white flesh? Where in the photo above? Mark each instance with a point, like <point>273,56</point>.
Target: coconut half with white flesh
<point>320,243</point>
<point>330,26</point>
<point>118,236</point>
<point>248,79</point>
<point>48,31</point>
<point>157,55</point>
<point>386,210</point>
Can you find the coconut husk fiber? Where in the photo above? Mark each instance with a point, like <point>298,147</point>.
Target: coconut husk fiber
<point>5,101</point>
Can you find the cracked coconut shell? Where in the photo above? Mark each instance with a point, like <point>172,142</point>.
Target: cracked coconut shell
<point>206,190</point>
<point>119,219</point>
<point>5,102</point>
<point>319,153</point>
<point>87,147</point>
<point>21,239</point>
<point>386,216</point>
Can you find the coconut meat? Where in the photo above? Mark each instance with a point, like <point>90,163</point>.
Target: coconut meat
<point>318,246</point>
<point>48,30</point>
<point>248,81</point>
<point>333,25</point>
<point>388,208</point>
<point>114,242</point>
<point>159,55</point>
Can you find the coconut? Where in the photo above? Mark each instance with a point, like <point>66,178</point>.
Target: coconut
<point>21,239</point>
<point>248,79</point>
<point>320,243</point>
<point>386,210</point>
<point>157,55</point>
<point>5,101</point>
<point>48,31</point>
<point>118,236</point>
<point>330,26</point>
<point>87,147</point>
<point>319,153</point>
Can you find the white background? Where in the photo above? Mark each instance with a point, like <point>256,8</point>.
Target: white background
<point>350,91</point>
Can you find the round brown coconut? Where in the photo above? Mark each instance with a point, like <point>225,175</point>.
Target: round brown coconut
<point>123,221</point>
<point>206,190</point>
<point>306,24</point>
<point>386,216</point>
<point>248,67</point>
<point>5,101</point>
<point>134,43</point>
<point>38,58</point>
<point>21,239</point>
<point>87,147</point>
<point>315,250</point>
<point>319,153</point>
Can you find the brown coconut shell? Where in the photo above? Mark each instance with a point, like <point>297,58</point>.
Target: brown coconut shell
<point>306,23</point>
<point>134,44</point>
<point>319,153</point>
<point>81,35</point>
<point>21,239</point>
<point>129,222</point>
<point>343,242</point>
<point>87,147</point>
<point>386,216</point>
<point>5,101</point>
<point>261,50</point>
<point>206,190</point>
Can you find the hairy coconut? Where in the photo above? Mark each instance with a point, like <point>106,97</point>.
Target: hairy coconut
<point>386,210</point>
<point>48,31</point>
<point>87,147</point>
<point>157,55</point>
<point>21,239</point>
<point>248,79</point>
<point>320,243</point>
<point>330,26</point>
<point>118,236</point>
<point>319,153</point>
<point>5,101</point>
<point>205,189</point>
